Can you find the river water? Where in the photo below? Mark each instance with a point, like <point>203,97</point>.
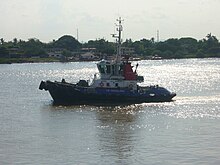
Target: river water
<point>186,131</point>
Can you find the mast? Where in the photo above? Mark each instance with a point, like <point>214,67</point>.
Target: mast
<point>118,39</point>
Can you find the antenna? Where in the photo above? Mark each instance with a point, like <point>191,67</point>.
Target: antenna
<point>118,39</point>
<point>158,36</point>
<point>119,29</point>
<point>77,34</point>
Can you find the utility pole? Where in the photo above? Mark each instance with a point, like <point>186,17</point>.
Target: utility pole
<point>158,36</point>
<point>77,34</point>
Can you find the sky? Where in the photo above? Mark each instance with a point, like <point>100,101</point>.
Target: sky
<point>50,19</point>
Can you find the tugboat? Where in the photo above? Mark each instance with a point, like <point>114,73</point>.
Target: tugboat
<point>117,84</point>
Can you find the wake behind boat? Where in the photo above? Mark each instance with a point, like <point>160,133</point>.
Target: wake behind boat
<point>117,84</point>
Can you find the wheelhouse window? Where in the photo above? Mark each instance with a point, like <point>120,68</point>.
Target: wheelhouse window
<point>113,69</point>
<point>101,68</point>
<point>108,69</point>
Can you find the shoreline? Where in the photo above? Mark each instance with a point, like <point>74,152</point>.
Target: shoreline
<point>26,60</point>
<point>48,60</point>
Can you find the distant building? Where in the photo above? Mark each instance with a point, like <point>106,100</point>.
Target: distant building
<point>15,52</point>
<point>88,50</point>
<point>127,51</point>
<point>55,53</point>
<point>89,54</point>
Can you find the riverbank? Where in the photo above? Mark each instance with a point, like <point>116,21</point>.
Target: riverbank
<point>49,59</point>
<point>26,60</point>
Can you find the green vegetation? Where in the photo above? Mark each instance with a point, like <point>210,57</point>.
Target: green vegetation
<point>34,50</point>
<point>26,60</point>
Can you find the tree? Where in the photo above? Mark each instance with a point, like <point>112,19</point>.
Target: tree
<point>167,54</point>
<point>33,47</point>
<point>172,45</point>
<point>67,42</point>
<point>127,43</point>
<point>214,52</point>
<point>3,52</point>
<point>102,46</point>
<point>200,54</point>
<point>139,47</point>
<point>15,41</point>
<point>66,53</point>
<point>171,48</point>
<point>156,53</point>
<point>211,41</point>
<point>188,45</point>
<point>209,46</point>
<point>2,41</point>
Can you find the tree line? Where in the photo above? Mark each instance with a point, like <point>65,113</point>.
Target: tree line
<point>171,48</point>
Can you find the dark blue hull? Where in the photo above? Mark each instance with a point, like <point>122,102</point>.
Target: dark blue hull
<point>71,94</point>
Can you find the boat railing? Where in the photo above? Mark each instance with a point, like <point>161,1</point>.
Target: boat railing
<point>94,78</point>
